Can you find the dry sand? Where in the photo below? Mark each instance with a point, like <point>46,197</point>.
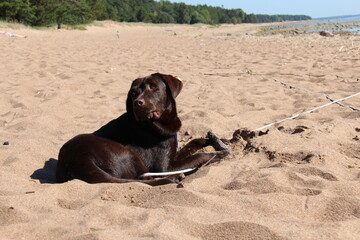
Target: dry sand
<point>301,180</point>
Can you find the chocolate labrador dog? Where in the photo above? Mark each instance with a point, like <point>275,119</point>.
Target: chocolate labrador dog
<point>144,139</point>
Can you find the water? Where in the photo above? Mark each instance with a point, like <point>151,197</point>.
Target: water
<point>351,23</point>
<point>339,18</point>
<point>332,24</point>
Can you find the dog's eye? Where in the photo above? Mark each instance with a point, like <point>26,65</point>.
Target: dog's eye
<point>153,86</point>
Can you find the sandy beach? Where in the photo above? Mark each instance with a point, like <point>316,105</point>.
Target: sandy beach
<point>298,179</point>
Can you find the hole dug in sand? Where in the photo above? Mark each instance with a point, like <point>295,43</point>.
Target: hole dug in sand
<point>242,140</point>
<point>281,173</point>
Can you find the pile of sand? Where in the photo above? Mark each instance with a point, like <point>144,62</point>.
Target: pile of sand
<point>301,180</point>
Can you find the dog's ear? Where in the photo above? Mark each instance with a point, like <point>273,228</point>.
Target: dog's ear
<point>174,84</point>
<point>129,100</point>
<point>129,105</point>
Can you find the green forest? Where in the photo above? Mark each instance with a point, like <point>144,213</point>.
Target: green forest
<point>74,12</point>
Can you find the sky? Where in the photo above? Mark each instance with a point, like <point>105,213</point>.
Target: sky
<point>312,8</point>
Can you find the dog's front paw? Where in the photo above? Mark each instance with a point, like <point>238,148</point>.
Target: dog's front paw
<point>217,143</point>
<point>177,178</point>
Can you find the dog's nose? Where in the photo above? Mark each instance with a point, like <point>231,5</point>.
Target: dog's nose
<point>139,102</point>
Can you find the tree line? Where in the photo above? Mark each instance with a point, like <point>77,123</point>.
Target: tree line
<point>73,12</point>
<point>262,18</point>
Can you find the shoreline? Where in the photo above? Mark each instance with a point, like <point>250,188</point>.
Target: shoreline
<point>260,29</point>
<point>314,26</point>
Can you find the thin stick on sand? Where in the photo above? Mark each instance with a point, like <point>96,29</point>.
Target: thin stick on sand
<point>308,91</point>
<point>310,111</point>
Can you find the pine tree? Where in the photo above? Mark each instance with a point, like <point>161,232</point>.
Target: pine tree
<point>16,11</point>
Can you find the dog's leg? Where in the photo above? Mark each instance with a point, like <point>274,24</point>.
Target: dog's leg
<point>188,158</point>
<point>197,159</point>
<point>192,147</point>
<point>216,142</point>
<point>162,181</point>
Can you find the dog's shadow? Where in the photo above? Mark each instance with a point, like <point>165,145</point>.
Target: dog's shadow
<point>47,173</point>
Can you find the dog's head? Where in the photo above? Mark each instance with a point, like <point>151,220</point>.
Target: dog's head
<point>152,98</point>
